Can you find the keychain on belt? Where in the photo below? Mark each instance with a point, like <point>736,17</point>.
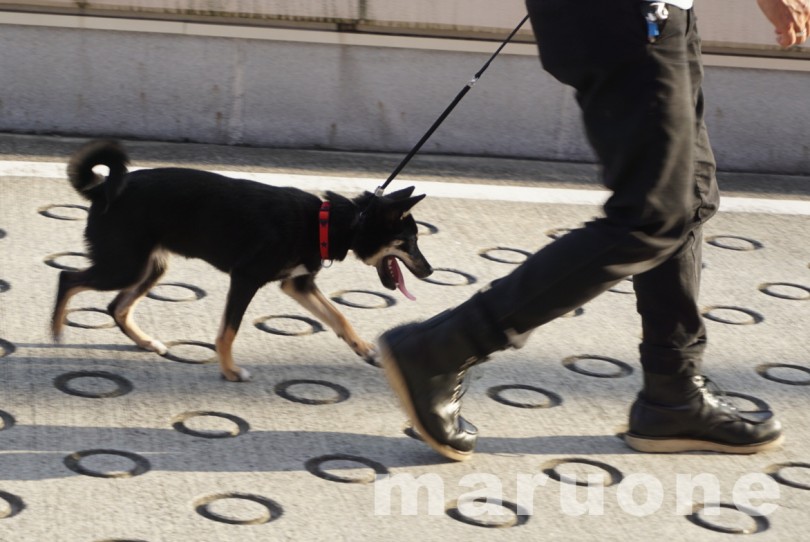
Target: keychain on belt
<point>655,13</point>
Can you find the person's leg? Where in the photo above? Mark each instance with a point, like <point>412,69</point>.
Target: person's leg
<point>674,336</point>
<point>639,124</point>
<point>637,110</point>
<point>639,116</point>
<point>675,411</point>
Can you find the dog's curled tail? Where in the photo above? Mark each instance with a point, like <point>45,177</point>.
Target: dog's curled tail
<point>88,183</point>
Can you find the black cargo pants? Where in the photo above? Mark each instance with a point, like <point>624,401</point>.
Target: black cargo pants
<point>642,107</point>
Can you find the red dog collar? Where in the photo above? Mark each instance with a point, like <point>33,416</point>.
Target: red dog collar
<point>323,231</point>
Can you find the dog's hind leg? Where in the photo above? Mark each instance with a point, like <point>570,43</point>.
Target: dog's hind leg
<point>307,294</point>
<point>124,303</point>
<point>240,294</point>
<point>96,277</point>
<point>70,284</point>
<point>113,269</point>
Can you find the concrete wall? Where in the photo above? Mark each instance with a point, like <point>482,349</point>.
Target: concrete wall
<point>728,24</point>
<point>174,80</point>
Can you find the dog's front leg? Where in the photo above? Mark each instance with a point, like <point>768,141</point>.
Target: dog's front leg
<point>307,294</point>
<point>240,294</point>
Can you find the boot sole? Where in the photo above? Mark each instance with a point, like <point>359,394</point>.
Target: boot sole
<point>397,383</point>
<point>665,445</point>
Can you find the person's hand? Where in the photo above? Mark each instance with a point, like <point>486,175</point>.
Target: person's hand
<point>790,18</point>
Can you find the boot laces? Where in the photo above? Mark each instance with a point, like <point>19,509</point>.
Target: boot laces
<point>712,393</point>
<point>461,385</point>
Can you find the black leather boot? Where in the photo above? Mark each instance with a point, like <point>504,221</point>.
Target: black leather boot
<point>426,363</point>
<point>679,413</point>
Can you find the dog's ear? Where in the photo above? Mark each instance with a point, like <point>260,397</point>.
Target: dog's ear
<point>396,210</point>
<point>334,197</point>
<point>401,194</point>
<point>407,204</point>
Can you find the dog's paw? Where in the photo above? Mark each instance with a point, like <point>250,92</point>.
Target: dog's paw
<point>365,350</point>
<point>241,375</point>
<point>374,360</point>
<point>56,329</point>
<point>372,357</point>
<point>155,346</point>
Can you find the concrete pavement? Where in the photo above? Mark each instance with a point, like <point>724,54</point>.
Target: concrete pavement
<point>100,441</point>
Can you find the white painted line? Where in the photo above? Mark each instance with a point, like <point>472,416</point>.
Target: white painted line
<point>766,206</point>
<point>433,189</point>
<point>43,170</point>
<point>488,192</point>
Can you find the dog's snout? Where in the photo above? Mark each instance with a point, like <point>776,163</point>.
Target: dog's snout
<point>422,270</point>
<point>419,265</point>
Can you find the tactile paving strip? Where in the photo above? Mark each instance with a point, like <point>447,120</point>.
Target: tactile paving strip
<point>175,292</point>
<point>64,212</point>
<point>734,519</point>
<point>76,462</point>
<point>509,515</point>
<point>336,393</point>
<point>68,261</point>
<point>238,425</point>
<point>309,326</point>
<point>66,383</point>
<point>363,299</point>
<point>600,473</point>
<point>6,348</point>
<point>100,441</point>
<point>89,318</point>
<point>784,474</point>
<point>6,420</point>
<point>272,510</point>
<point>501,395</point>
<point>615,368</point>
<point>317,467</point>
<point>13,505</point>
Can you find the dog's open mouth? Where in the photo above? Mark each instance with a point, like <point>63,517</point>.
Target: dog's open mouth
<point>391,276</point>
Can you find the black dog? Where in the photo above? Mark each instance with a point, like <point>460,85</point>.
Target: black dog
<point>253,232</point>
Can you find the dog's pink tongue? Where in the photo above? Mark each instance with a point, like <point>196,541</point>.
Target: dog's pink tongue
<point>393,266</point>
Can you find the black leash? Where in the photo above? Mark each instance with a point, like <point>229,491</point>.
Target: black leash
<point>380,189</point>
